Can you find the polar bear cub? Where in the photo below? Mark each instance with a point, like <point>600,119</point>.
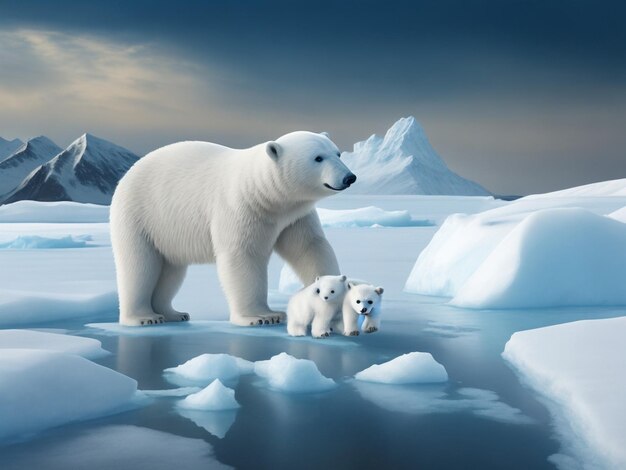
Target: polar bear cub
<point>361,299</point>
<point>316,305</point>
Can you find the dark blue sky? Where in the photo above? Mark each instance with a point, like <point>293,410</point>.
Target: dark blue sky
<point>522,96</point>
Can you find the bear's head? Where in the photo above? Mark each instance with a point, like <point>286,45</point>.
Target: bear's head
<point>330,288</point>
<point>309,165</point>
<point>364,297</point>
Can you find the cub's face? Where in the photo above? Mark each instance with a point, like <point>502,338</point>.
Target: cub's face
<point>330,288</point>
<point>309,165</point>
<point>364,297</point>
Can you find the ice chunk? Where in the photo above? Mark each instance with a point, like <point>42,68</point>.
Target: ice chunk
<point>556,257</point>
<point>288,374</point>
<point>215,397</point>
<point>208,367</point>
<point>48,212</point>
<point>289,282</point>
<point>619,214</point>
<point>411,368</point>
<point>368,217</point>
<point>29,242</point>
<point>217,423</point>
<point>579,368</point>
<point>41,389</point>
<point>533,253</point>
<point>172,392</point>
<point>28,339</point>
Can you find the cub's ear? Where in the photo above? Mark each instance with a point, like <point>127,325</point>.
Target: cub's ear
<point>325,134</point>
<point>274,150</point>
<point>379,290</point>
<point>343,278</point>
<point>350,285</point>
<point>317,279</point>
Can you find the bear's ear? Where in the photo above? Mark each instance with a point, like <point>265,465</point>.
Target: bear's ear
<point>343,278</point>
<point>325,134</point>
<point>350,285</point>
<point>379,290</point>
<point>274,150</point>
<point>317,279</point>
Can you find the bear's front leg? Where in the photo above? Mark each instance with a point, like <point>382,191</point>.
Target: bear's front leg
<point>244,280</point>
<point>350,322</point>
<point>371,324</point>
<point>321,326</point>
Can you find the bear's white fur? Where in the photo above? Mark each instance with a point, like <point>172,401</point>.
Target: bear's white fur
<point>198,202</point>
<point>316,305</point>
<point>361,299</point>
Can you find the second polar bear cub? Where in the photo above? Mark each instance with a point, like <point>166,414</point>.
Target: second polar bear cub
<point>365,300</point>
<point>316,305</point>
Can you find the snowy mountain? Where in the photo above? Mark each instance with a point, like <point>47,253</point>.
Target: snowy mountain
<point>17,166</point>
<point>404,162</point>
<point>7,147</point>
<point>87,171</point>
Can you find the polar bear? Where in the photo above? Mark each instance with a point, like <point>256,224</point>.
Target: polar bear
<point>199,202</point>
<point>361,299</point>
<point>316,305</point>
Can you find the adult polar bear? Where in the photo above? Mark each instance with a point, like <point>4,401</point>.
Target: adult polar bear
<point>198,202</point>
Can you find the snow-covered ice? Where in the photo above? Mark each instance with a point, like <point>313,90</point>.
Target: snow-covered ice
<point>410,368</point>
<point>535,252</point>
<point>29,339</point>
<point>214,397</point>
<point>30,242</point>
<point>619,214</point>
<point>370,216</point>
<point>579,368</point>
<point>209,367</point>
<point>42,389</point>
<point>288,374</point>
<point>53,212</point>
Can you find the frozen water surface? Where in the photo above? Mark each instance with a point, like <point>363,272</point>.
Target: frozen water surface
<point>482,417</point>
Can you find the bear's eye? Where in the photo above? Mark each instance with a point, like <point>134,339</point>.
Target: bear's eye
<point>358,301</point>
<point>318,159</point>
<point>318,291</point>
<point>370,302</point>
<point>332,291</point>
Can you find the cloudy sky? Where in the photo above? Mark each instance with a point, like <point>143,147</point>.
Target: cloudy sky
<point>521,96</point>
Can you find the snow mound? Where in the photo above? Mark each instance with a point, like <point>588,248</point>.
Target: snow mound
<point>53,212</point>
<point>601,189</point>
<point>619,214</point>
<point>288,374</point>
<point>215,397</point>
<point>579,367</point>
<point>370,216</point>
<point>209,367</point>
<point>29,242</point>
<point>555,238</point>
<point>404,162</point>
<point>42,389</point>
<point>411,368</point>
<point>28,339</point>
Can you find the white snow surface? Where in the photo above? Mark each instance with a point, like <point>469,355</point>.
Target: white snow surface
<point>534,252</point>
<point>368,217</point>
<point>53,212</point>
<point>210,367</point>
<point>619,214</point>
<point>287,374</point>
<point>404,162</point>
<point>42,389</point>
<point>579,368</point>
<point>29,339</point>
<point>410,368</point>
<point>214,397</point>
<point>599,189</point>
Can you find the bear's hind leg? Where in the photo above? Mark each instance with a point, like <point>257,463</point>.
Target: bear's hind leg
<point>138,266</point>
<point>170,280</point>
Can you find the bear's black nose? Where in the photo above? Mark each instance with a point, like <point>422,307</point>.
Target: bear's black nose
<point>363,310</point>
<point>348,180</point>
<point>325,298</point>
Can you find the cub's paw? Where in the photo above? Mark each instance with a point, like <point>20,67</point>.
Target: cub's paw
<point>176,317</point>
<point>371,329</point>
<point>352,333</point>
<point>143,320</point>
<point>323,335</point>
